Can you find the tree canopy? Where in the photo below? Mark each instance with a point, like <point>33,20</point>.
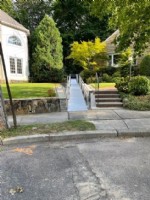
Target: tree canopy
<point>90,55</point>
<point>30,13</point>
<point>75,23</point>
<point>131,17</point>
<point>7,6</point>
<point>47,48</point>
<point>72,17</point>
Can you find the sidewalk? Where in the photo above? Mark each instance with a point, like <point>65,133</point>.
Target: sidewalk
<point>103,119</point>
<point>108,123</point>
<point>40,118</point>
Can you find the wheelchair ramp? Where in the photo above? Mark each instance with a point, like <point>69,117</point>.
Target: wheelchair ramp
<point>76,100</point>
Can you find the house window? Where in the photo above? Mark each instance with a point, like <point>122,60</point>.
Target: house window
<point>14,40</point>
<point>15,66</point>
<point>116,58</point>
<point>113,60</point>
<point>19,66</point>
<point>12,65</point>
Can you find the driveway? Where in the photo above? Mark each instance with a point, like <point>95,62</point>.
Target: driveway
<point>106,169</point>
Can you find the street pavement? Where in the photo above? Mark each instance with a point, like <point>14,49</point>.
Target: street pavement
<point>101,169</point>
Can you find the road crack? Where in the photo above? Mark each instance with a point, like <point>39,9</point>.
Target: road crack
<point>88,185</point>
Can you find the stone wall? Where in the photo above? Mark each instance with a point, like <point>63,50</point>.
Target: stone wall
<point>2,114</point>
<point>37,105</point>
<point>2,124</point>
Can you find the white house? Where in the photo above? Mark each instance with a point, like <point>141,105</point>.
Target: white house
<point>113,55</point>
<point>13,37</point>
<point>111,48</point>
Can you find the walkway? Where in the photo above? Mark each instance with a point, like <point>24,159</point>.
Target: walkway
<point>105,119</point>
<point>76,100</point>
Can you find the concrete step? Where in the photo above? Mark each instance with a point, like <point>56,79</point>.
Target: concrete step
<point>106,92</point>
<point>108,100</point>
<point>109,104</point>
<point>106,96</point>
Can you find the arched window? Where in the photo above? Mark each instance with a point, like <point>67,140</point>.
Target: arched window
<point>14,40</point>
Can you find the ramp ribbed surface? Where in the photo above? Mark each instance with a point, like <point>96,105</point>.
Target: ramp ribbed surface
<point>76,100</point>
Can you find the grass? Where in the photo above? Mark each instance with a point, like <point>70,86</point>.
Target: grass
<point>141,103</point>
<point>27,90</point>
<point>77,125</point>
<point>103,85</point>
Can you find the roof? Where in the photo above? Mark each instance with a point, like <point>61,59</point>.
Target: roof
<point>110,46</point>
<point>6,20</point>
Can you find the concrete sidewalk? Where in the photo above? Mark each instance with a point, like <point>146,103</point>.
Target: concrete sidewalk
<point>105,119</point>
<point>108,123</point>
<point>40,118</point>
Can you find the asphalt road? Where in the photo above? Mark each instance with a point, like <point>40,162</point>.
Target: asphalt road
<point>106,169</point>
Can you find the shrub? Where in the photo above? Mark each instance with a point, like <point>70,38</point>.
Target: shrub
<point>51,92</point>
<point>139,85</point>
<point>106,78</point>
<point>86,74</point>
<point>52,75</point>
<point>56,75</point>
<point>123,85</point>
<point>116,74</point>
<point>145,66</point>
<point>108,70</point>
<point>125,70</point>
<point>116,79</point>
<point>91,80</point>
<point>136,102</point>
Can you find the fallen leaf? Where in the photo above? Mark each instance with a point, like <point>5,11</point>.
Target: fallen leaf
<point>18,189</point>
<point>25,150</point>
<point>12,191</point>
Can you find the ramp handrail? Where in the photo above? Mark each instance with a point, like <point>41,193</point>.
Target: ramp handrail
<point>68,87</point>
<point>86,90</point>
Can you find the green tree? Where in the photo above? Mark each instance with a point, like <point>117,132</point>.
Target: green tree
<point>131,17</point>
<point>7,6</point>
<point>125,57</point>
<point>90,55</point>
<point>75,23</point>
<point>47,48</point>
<point>145,66</point>
<point>30,13</point>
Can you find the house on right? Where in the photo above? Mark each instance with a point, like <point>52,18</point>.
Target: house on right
<point>114,55</point>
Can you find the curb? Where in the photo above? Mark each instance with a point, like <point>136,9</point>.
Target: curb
<point>60,136</point>
<point>140,132</point>
<point>77,135</point>
<point>26,139</point>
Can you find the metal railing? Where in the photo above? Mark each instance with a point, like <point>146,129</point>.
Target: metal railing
<point>86,90</point>
<point>68,87</point>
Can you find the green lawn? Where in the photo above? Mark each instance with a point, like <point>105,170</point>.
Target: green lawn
<point>103,85</point>
<point>27,90</point>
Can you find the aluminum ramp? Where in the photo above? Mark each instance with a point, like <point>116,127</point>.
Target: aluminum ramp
<point>76,100</point>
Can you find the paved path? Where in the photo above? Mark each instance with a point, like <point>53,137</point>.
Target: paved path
<point>76,100</point>
<point>40,118</point>
<point>103,119</point>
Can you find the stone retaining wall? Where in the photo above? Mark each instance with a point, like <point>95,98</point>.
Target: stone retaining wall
<point>36,105</point>
<point>2,115</point>
<point>2,125</point>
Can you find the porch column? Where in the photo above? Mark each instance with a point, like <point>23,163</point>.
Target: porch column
<point>112,60</point>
